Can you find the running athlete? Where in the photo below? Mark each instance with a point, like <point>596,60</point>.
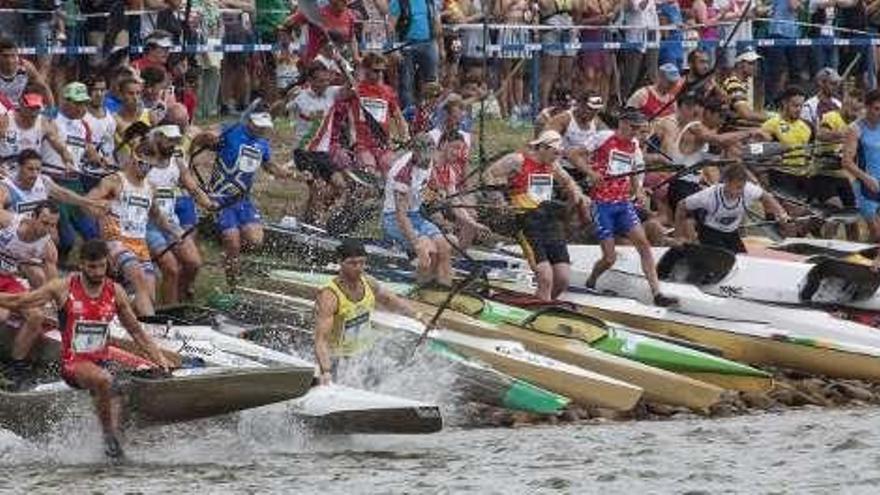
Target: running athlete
<point>132,206</point>
<point>617,153</point>
<point>88,302</point>
<point>403,221</point>
<point>76,136</point>
<point>26,129</point>
<point>724,207</point>
<point>531,177</point>
<point>836,190</point>
<point>861,159</point>
<point>179,261</point>
<point>242,149</point>
<point>25,240</point>
<point>344,307</point>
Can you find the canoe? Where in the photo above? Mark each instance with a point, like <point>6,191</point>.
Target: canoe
<point>189,394</point>
<point>658,385</point>
<point>474,381</point>
<point>719,322</point>
<point>580,385</point>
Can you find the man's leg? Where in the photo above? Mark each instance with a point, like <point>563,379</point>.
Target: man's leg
<point>640,241</point>
<point>442,266</point>
<point>424,249</point>
<point>144,289</point>
<point>108,405</point>
<point>543,281</point>
<point>170,270</point>
<point>27,336</point>
<point>231,240</point>
<point>190,262</point>
<point>561,279</point>
<point>609,257</point>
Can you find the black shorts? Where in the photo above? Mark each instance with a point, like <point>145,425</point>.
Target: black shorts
<point>680,189</point>
<point>316,163</point>
<point>538,250</point>
<point>794,185</point>
<point>730,241</point>
<point>824,188</point>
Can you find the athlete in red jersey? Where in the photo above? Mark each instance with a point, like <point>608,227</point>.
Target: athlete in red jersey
<point>88,301</point>
<point>380,100</point>
<point>654,100</point>
<point>530,178</point>
<point>617,153</point>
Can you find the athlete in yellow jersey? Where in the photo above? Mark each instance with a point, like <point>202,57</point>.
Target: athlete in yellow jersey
<point>788,129</point>
<point>344,307</point>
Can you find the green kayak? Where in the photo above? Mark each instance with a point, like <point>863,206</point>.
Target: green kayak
<point>606,337</point>
<point>475,381</point>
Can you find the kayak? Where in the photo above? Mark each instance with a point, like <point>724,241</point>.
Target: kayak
<point>474,381</point>
<point>857,252</point>
<point>658,385</point>
<point>610,338</point>
<point>739,328</point>
<point>581,386</point>
<point>187,395</point>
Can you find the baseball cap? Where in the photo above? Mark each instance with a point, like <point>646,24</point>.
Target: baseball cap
<point>76,92</point>
<point>32,100</point>
<point>261,119</point>
<point>160,38</point>
<point>548,138</point>
<point>830,74</point>
<point>747,56</point>
<point>670,72</point>
<point>170,131</point>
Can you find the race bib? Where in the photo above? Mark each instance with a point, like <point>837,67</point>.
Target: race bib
<point>77,147</point>
<point>165,197</point>
<point>249,159</point>
<point>134,218</point>
<point>90,336</point>
<point>26,206</point>
<point>541,187</point>
<point>356,330</point>
<point>8,264</point>
<point>619,163</point>
<point>378,108</point>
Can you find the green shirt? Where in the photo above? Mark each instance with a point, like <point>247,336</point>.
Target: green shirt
<point>270,15</point>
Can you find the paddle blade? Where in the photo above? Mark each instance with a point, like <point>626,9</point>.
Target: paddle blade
<point>566,324</point>
<point>462,303</point>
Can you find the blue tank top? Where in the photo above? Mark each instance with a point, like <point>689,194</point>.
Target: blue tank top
<point>239,157</point>
<point>869,156</point>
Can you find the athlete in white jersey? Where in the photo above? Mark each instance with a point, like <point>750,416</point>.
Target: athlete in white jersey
<point>74,132</point>
<point>28,187</point>
<point>26,129</point>
<point>133,205</point>
<point>577,127</point>
<point>180,261</point>
<point>102,128</point>
<point>25,242</point>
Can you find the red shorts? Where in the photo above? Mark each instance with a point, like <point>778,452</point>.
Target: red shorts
<point>10,284</point>
<point>67,370</point>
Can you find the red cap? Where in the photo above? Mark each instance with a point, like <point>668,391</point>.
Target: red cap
<point>32,100</point>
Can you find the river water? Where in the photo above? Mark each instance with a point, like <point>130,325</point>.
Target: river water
<point>797,452</point>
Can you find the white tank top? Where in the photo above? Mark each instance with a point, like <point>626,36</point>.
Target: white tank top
<point>165,182</point>
<point>25,200</point>
<point>575,135</point>
<point>74,133</point>
<point>103,131</point>
<point>689,158</point>
<point>18,139</point>
<point>132,209</point>
<point>13,250</point>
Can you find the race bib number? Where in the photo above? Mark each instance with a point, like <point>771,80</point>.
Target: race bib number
<point>620,163</point>
<point>541,187</point>
<point>377,108</point>
<point>8,264</point>
<point>90,336</point>
<point>77,147</point>
<point>26,206</point>
<point>134,219</point>
<point>356,331</point>
<point>165,197</point>
<point>249,159</point>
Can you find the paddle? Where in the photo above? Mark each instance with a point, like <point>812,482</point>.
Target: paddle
<point>779,221</point>
<point>173,244</point>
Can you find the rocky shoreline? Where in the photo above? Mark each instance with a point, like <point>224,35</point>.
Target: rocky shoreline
<point>791,390</point>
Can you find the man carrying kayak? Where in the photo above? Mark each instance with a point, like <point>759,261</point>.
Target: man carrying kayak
<point>616,154</point>
<point>531,177</point>
<point>344,307</point>
<point>88,302</point>
<point>723,207</point>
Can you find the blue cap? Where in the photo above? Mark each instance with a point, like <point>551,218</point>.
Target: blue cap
<point>670,72</point>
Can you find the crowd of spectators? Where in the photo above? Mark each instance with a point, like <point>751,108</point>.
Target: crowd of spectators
<point>443,43</point>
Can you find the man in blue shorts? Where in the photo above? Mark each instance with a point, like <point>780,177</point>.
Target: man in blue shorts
<point>242,149</point>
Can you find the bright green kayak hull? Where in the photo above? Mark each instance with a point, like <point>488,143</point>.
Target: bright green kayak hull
<point>617,340</point>
<point>484,384</point>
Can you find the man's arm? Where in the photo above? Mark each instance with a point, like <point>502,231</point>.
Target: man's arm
<point>771,205</point>
<point>35,298</point>
<point>131,324</point>
<point>162,221</point>
<point>64,195</point>
<point>50,133</point>
<point>849,163</point>
<point>325,308</point>
<point>401,201</point>
<point>395,303</point>
<point>50,261</point>
<point>106,189</point>
<point>189,183</point>
<point>744,111</point>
